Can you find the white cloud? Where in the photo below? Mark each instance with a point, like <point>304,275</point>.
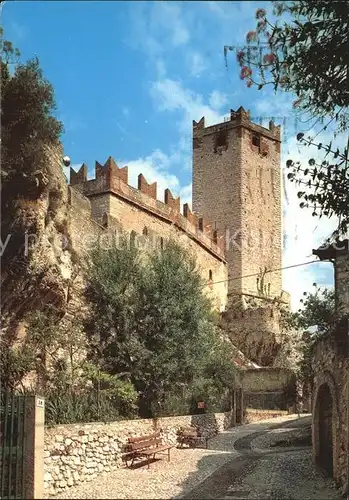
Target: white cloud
<point>157,167</point>
<point>218,100</point>
<point>156,28</point>
<point>196,63</point>
<point>170,95</point>
<point>303,231</point>
<point>125,112</point>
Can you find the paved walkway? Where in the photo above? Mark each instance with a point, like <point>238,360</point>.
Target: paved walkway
<point>239,463</point>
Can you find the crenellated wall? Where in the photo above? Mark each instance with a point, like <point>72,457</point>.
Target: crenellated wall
<point>106,204</point>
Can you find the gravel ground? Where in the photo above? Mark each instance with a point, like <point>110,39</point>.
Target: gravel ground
<point>255,469</point>
<point>296,433</point>
<point>288,475</point>
<point>188,467</point>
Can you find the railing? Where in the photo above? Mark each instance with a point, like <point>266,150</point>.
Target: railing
<point>12,439</point>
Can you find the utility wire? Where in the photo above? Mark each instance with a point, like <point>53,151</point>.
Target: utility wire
<point>258,274</point>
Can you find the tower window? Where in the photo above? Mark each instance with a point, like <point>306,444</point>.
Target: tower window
<point>145,231</point>
<point>221,141</point>
<point>256,141</point>
<point>161,243</point>
<point>210,275</point>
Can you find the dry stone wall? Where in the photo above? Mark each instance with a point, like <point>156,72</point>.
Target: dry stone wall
<point>79,452</point>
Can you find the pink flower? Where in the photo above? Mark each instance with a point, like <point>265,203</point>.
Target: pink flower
<point>240,55</point>
<point>251,36</point>
<point>269,58</point>
<point>260,13</point>
<point>249,84</point>
<point>245,72</point>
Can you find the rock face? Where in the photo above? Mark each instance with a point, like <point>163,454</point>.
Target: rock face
<point>38,263</point>
<point>77,453</point>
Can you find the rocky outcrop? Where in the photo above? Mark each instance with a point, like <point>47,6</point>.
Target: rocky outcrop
<point>37,264</point>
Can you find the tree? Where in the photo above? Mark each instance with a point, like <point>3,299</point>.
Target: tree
<point>28,130</point>
<point>151,322</point>
<point>304,52</point>
<point>315,320</point>
<point>296,54</point>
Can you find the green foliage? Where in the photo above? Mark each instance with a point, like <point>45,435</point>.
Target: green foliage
<point>151,323</point>
<point>296,53</point>
<point>28,128</point>
<point>318,311</point>
<point>324,185</point>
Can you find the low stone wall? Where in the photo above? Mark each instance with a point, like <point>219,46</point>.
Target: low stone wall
<point>79,452</point>
<point>257,415</point>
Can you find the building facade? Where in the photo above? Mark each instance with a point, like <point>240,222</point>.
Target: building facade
<point>234,230</point>
<point>330,363</point>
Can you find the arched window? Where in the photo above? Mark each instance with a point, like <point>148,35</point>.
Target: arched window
<point>145,231</point>
<point>210,275</point>
<point>162,243</point>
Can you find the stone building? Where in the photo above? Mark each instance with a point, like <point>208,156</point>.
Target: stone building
<point>330,363</point>
<point>234,231</point>
<point>237,184</point>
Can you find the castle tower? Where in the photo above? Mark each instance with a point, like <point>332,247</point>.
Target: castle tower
<point>237,182</point>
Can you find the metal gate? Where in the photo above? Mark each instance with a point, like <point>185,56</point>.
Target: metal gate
<point>12,432</point>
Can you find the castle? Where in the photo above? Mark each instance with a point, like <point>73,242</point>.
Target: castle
<point>234,230</point>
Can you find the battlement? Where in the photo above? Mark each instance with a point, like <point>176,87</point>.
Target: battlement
<point>264,315</point>
<point>110,179</point>
<point>239,118</point>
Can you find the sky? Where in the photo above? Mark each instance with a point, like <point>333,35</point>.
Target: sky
<point>129,78</point>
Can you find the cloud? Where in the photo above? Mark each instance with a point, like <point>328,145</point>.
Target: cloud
<point>157,28</point>
<point>218,100</point>
<point>170,95</point>
<point>157,167</point>
<point>303,231</point>
<point>126,111</point>
<point>196,63</point>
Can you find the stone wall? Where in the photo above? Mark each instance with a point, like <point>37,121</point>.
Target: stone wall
<point>113,206</point>
<point>267,388</point>
<point>238,184</point>
<point>332,372</point>
<point>342,281</point>
<point>252,415</point>
<point>266,379</point>
<point>79,452</point>
<point>330,364</point>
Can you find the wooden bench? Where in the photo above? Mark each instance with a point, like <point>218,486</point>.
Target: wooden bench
<point>146,447</point>
<point>190,436</point>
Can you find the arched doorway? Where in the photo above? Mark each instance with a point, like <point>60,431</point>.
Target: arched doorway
<point>324,405</point>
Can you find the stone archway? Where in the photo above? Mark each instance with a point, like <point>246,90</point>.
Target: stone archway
<point>324,426</point>
<point>325,422</point>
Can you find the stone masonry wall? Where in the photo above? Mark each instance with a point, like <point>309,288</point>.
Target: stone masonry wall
<point>104,207</point>
<point>342,283</point>
<point>79,452</point>
<point>253,415</point>
<point>238,184</point>
<point>330,364</point>
<point>334,371</point>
